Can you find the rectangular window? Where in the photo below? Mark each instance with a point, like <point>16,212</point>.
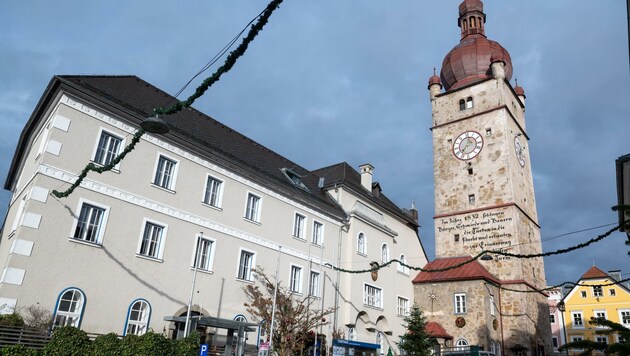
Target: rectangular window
<point>318,233</point>
<point>583,293</point>
<point>295,280</point>
<point>151,244</point>
<point>245,265</point>
<point>612,292</point>
<point>204,254</point>
<point>298,226</point>
<point>372,296</point>
<point>577,319</point>
<point>313,284</point>
<point>402,307</point>
<point>552,318</point>
<point>212,195</point>
<point>89,224</point>
<point>601,338</point>
<point>598,291</point>
<point>576,338</point>
<point>554,342</point>
<point>460,303</point>
<point>624,317</point>
<point>165,173</point>
<point>252,210</point>
<point>107,149</point>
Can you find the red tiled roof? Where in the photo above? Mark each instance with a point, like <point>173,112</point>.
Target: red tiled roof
<point>594,272</point>
<point>470,271</point>
<point>436,330</point>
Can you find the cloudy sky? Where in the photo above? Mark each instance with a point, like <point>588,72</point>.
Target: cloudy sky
<point>330,81</point>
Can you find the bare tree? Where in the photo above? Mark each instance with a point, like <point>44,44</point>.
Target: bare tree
<point>295,317</point>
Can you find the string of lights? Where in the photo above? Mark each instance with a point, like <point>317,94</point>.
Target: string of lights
<point>533,290</point>
<point>263,18</point>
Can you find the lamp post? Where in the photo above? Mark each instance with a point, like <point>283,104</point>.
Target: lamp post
<point>192,288</point>
<point>273,305</point>
<point>561,308</point>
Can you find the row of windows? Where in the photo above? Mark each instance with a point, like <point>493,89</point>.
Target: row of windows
<point>598,292</point>
<point>299,230</point>
<point>385,254</point>
<point>71,304</point>
<point>578,319</point>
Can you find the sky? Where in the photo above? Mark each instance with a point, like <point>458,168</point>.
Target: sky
<point>329,81</point>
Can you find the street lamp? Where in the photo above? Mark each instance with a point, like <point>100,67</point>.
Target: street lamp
<point>561,307</point>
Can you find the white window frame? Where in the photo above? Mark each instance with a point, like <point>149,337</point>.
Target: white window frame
<point>385,253</point>
<point>140,324</point>
<point>248,274</point>
<point>362,247</point>
<point>459,303</point>
<point>104,161</point>
<point>492,307</point>
<point>103,223</point>
<point>313,283</point>
<point>352,333</point>
<point>372,296</point>
<point>612,292</point>
<point>69,317</point>
<point>295,278</point>
<point>44,138</point>
<point>461,344</point>
<point>162,241</point>
<point>158,176</point>
<point>552,318</point>
<point>576,338</point>
<point>599,293</point>
<point>605,316</point>
<point>299,226</point>
<point>206,263</point>
<point>252,213</point>
<point>17,221</point>
<point>580,318</point>
<point>216,191</point>
<point>583,294</point>
<point>626,313</point>
<point>402,306</point>
<point>601,338</point>
<point>402,268</point>
<point>317,237</point>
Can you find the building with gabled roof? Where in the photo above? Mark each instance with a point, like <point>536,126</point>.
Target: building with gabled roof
<point>596,294</point>
<point>119,253</point>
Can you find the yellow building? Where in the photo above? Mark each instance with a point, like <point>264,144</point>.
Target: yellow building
<point>595,296</point>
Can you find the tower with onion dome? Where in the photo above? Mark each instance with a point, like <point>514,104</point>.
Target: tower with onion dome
<point>484,200</point>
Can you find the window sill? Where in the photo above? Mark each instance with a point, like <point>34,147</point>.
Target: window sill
<point>217,208</point>
<point>252,221</point>
<point>115,169</point>
<point>149,258</point>
<point>162,188</point>
<point>361,254</point>
<point>372,307</point>
<point>299,239</point>
<point>245,280</point>
<point>406,274</point>
<point>206,271</point>
<point>317,245</point>
<point>86,243</point>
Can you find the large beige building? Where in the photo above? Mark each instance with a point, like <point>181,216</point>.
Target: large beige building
<point>118,254</point>
<point>484,200</point>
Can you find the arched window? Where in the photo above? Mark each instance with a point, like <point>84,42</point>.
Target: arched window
<point>462,104</point>
<point>380,340</point>
<point>469,103</point>
<point>241,319</point>
<point>138,317</point>
<point>69,308</point>
<point>384,253</point>
<point>462,344</point>
<point>492,348</point>
<point>402,268</point>
<point>473,22</point>
<point>361,244</point>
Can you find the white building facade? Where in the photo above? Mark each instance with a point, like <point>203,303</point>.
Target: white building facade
<point>118,254</point>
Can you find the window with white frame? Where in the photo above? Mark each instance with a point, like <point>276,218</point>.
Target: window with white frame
<point>578,322</point>
<point>492,306</point>
<point>620,338</point>
<point>295,279</point>
<point>552,318</point>
<point>401,267</point>
<point>213,192</point>
<point>69,308</point>
<point>313,284</point>
<point>90,224</point>
<point>352,333</point>
<point>384,253</point>
<point>152,240</point>
<point>460,303</point>
<point>245,265</point>
<point>107,149</point>
<point>461,344</point>
<point>598,291</point>
<point>299,223</point>
<point>372,296</point>
<point>165,173</point>
<point>204,253</point>
<point>624,317</point>
<point>318,233</point>
<point>600,314</point>
<point>583,293</point>
<point>612,292</point>
<point>361,244</point>
<point>402,307</point>
<point>138,317</point>
<point>574,339</point>
<point>601,338</point>
<point>252,209</point>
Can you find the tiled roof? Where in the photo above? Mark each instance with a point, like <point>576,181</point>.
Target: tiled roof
<point>470,271</point>
<point>436,330</point>
<point>594,272</point>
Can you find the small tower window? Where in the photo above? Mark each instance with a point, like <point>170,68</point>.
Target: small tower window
<point>471,198</point>
<point>488,131</point>
<point>469,103</point>
<point>462,104</point>
<point>456,237</point>
<point>470,170</point>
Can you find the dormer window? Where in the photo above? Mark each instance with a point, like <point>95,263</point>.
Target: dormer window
<point>295,178</point>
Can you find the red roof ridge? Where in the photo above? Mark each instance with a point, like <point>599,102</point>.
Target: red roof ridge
<point>434,329</point>
<point>470,271</point>
<point>594,272</point>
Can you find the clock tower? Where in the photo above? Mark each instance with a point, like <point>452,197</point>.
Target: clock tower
<point>484,193</point>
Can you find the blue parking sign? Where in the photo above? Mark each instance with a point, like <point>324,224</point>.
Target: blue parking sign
<point>203,351</point>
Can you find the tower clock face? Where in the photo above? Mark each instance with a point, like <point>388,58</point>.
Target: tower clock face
<point>467,145</point>
<point>520,151</point>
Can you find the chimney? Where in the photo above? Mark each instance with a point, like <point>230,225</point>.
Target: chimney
<point>414,211</point>
<point>366,176</point>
